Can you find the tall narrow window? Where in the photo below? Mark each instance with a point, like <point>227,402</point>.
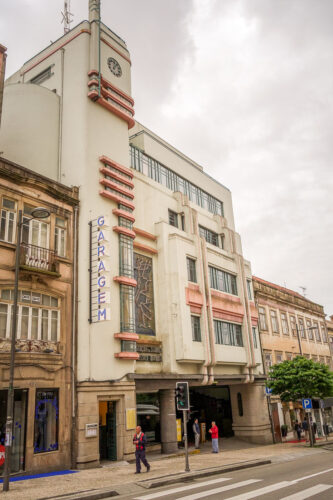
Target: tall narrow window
<point>262,318</point>
<point>60,237</point>
<point>323,332</point>
<point>309,329</point>
<point>191,271</point>
<point>316,331</point>
<point>173,218</point>
<point>127,309</point>
<point>301,328</point>
<point>249,289</point>
<point>126,266</point>
<point>268,360</point>
<point>46,420</point>
<point>274,321</point>
<point>8,220</point>
<point>196,330</point>
<point>223,281</point>
<point>254,334</point>
<point>284,323</point>
<point>293,325</point>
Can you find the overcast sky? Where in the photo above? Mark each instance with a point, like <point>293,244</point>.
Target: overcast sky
<point>244,87</point>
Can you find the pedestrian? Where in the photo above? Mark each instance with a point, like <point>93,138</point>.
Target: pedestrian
<point>214,432</point>
<point>305,427</point>
<point>314,426</point>
<point>196,432</point>
<point>298,430</point>
<point>140,442</point>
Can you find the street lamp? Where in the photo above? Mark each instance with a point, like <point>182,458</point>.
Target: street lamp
<point>40,213</point>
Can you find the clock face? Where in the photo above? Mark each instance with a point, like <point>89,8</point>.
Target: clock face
<point>114,66</point>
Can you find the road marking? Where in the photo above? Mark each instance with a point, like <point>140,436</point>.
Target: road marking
<point>261,491</point>
<point>207,493</point>
<point>183,488</point>
<point>301,495</point>
<point>312,475</point>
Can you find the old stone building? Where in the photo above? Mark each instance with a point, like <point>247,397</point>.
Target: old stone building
<point>290,325</point>
<point>43,373</point>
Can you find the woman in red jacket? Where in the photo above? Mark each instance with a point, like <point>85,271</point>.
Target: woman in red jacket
<point>214,431</point>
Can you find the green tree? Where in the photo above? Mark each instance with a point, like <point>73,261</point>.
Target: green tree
<point>300,378</point>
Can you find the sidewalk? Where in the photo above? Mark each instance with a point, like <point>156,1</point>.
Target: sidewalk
<point>119,476</point>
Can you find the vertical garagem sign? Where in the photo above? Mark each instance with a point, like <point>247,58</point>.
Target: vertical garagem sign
<point>100,270</point>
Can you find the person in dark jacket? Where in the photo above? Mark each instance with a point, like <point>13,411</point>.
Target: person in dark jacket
<point>140,442</point>
<point>305,428</point>
<point>196,432</point>
<point>298,430</point>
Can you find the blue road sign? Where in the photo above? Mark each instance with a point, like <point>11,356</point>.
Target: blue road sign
<point>307,404</point>
<point>268,391</point>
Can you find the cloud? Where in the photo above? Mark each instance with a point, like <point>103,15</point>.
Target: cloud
<point>245,89</point>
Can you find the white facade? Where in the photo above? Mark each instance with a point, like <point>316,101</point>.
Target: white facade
<point>70,128</point>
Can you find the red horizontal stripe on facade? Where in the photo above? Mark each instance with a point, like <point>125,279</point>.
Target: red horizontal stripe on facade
<point>117,199</point>
<point>116,165</point>
<point>127,355</point>
<point>126,336</point>
<point>93,95</point>
<point>124,230</point>
<point>118,177</point>
<point>145,248</point>
<point>123,213</point>
<point>124,280</point>
<point>106,83</point>
<point>116,187</point>
<point>144,234</point>
<point>116,50</point>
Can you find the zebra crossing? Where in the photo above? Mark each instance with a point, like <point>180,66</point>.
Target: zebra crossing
<point>223,485</point>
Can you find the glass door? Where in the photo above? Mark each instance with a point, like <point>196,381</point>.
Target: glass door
<point>19,427</point>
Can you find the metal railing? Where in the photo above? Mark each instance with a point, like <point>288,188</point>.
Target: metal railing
<point>38,257</point>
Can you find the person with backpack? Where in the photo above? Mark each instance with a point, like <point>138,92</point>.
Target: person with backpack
<point>140,442</point>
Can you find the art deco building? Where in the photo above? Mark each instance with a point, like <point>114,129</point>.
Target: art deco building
<point>164,291</point>
<point>290,325</point>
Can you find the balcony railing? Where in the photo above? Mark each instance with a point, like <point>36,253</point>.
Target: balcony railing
<point>38,257</point>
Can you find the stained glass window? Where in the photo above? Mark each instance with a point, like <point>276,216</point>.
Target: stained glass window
<point>144,295</point>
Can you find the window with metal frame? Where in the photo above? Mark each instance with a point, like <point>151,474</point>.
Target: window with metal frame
<point>268,360</point>
<point>196,328</point>
<point>127,309</point>
<point>301,328</point>
<point>173,218</point>
<point>159,173</point>
<point>126,265</point>
<point>42,76</point>
<point>8,220</point>
<point>222,280</point>
<point>262,318</point>
<point>191,270</point>
<point>210,236</point>
<point>38,315</point>
<point>228,333</point>
<point>278,357</point>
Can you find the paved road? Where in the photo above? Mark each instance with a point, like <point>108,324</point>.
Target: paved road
<point>309,477</point>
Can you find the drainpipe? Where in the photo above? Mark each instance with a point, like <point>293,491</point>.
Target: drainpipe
<point>209,311</point>
<point>194,222</point>
<point>74,338</point>
<point>249,377</point>
<point>61,107</point>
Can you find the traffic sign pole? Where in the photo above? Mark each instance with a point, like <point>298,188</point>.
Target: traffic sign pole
<point>187,465</point>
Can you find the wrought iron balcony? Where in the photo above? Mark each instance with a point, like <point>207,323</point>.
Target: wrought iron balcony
<point>40,258</point>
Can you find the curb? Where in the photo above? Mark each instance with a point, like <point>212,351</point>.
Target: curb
<point>183,477</point>
<point>85,495</point>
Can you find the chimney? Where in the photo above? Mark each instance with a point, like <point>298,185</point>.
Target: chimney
<point>94,19</point>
